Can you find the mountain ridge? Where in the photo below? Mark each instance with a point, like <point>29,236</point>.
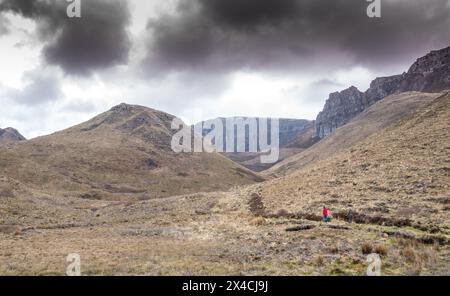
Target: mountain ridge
<point>430,73</point>
<point>378,116</point>
<point>123,153</point>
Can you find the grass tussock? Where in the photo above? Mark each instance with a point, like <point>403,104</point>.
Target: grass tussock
<point>417,257</point>
<point>319,260</point>
<point>334,249</point>
<point>381,250</point>
<point>258,221</point>
<point>366,248</point>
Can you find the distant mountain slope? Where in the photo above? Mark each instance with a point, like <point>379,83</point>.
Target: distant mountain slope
<point>376,117</point>
<point>123,153</point>
<point>430,73</point>
<point>400,173</point>
<point>297,144</point>
<point>305,139</point>
<point>290,129</point>
<point>9,134</point>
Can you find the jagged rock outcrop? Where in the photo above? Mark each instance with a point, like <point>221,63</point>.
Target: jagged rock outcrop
<point>338,108</point>
<point>10,135</point>
<point>430,73</point>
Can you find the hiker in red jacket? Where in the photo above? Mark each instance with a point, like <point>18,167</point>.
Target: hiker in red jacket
<point>325,214</point>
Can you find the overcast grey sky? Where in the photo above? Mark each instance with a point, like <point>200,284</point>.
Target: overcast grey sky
<point>200,59</point>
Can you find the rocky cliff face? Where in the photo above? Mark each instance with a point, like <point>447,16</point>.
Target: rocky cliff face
<point>430,73</point>
<point>339,107</point>
<point>10,135</point>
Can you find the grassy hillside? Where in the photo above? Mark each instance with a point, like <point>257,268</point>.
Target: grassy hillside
<point>121,154</point>
<point>375,118</point>
<point>396,181</point>
<point>400,173</point>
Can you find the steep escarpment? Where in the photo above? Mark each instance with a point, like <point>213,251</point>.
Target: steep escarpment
<point>430,73</point>
<point>339,108</point>
<point>376,117</point>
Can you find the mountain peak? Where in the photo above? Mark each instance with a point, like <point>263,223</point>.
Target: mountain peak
<point>131,119</point>
<point>131,110</point>
<point>122,107</point>
<point>10,134</point>
<point>433,61</point>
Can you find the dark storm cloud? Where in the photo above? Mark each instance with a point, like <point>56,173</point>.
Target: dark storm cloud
<point>248,13</point>
<point>217,35</point>
<point>97,40</point>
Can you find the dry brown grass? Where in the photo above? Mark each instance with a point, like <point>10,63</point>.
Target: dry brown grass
<point>393,171</point>
<point>200,234</point>
<point>418,256</point>
<point>319,261</point>
<point>377,117</point>
<point>410,254</point>
<point>6,192</point>
<point>366,248</point>
<point>334,249</point>
<point>381,250</point>
<point>124,154</point>
<point>216,233</point>
<point>407,243</point>
<point>258,221</point>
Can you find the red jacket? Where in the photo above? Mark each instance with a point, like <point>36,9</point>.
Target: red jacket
<point>325,212</point>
